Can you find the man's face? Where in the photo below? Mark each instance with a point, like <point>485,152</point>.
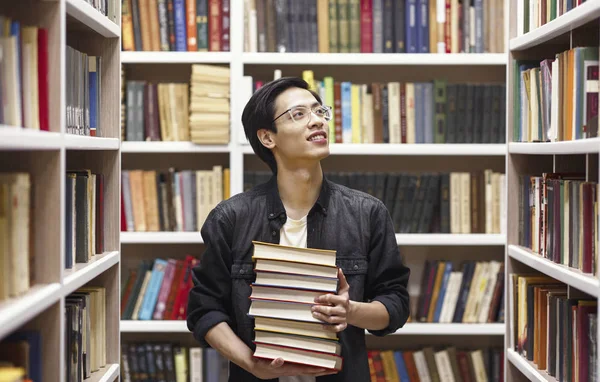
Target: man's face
<point>294,140</point>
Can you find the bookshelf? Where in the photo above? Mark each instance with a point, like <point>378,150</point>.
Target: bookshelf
<point>237,155</point>
<point>46,153</point>
<point>561,153</point>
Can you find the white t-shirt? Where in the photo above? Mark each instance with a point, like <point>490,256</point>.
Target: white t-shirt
<point>293,233</point>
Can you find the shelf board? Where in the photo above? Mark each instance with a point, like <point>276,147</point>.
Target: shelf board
<point>573,277</point>
<point>410,149</point>
<point>402,239</point>
<point>81,142</point>
<point>92,18</point>
<point>576,17</point>
<point>15,312</point>
<point>431,239</point>
<point>161,238</point>
<point>154,326</point>
<point>175,57</point>
<point>379,59</point>
<point>108,373</point>
<point>18,138</point>
<point>527,367</point>
<point>82,273</point>
<point>180,326</point>
<point>452,329</point>
<point>580,146</point>
<point>171,147</point>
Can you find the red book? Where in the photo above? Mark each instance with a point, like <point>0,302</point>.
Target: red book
<point>214,26</point>
<point>180,305</point>
<point>337,103</point>
<point>123,216</point>
<point>165,289</point>
<point>174,289</point>
<point>43,78</point>
<point>366,26</point>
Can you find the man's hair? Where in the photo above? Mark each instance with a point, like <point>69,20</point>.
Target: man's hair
<point>259,114</point>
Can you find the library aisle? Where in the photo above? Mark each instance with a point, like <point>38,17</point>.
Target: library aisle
<point>476,126</point>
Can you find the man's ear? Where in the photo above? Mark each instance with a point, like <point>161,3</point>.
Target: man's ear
<point>266,137</point>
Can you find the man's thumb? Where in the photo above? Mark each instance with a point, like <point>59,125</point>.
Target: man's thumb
<point>277,362</point>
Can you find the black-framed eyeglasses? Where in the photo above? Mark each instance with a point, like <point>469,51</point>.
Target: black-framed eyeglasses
<point>302,114</point>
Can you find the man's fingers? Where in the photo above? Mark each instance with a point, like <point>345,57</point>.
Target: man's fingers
<point>329,319</point>
<point>330,310</point>
<point>336,328</point>
<point>332,299</point>
<point>292,369</point>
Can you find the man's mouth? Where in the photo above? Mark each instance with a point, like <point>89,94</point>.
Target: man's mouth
<point>317,137</point>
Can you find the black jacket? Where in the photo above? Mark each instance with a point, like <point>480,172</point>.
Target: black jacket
<point>355,224</point>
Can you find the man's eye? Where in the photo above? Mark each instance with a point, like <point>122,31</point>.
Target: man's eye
<point>298,114</point>
<point>320,112</point>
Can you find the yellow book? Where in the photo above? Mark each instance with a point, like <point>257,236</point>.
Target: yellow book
<point>309,77</point>
<point>226,184</point>
<point>11,374</point>
<point>356,119</point>
<point>389,366</point>
<point>181,366</point>
<point>329,101</point>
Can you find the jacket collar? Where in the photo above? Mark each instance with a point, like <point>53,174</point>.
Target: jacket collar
<point>275,206</point>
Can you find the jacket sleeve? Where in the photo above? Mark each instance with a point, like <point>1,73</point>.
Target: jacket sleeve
<point>387,276</point>
<point>209,301</point>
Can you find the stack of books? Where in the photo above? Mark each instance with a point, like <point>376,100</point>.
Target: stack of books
<point>209,104</point>
<point>288,279</point>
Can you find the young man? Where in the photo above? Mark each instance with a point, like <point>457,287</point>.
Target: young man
<point>286,125</point>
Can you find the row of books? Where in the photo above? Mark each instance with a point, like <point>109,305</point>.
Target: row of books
<point>85,347</point>
<point>157,289</point>
<point>198,112</point>
<point>209,104</point>
<point>23,75</point>
<point>554,329</point>
<point>456,202</point>
<point>21,356</point>
<point>557,98</point>
<point>558,218</point>
<point>175,200</point>
<point>472,293</point>
<point>287,281</point>
<point>373,26</point>
<point>176,25</point>
<point>156,111</point>
<point>532,14</point>
<point>83,93</point>
<point>409,112</point>
<point>84,213</point>
<point>447,364</point>
<point>171,362</point>
<point>16,254</point>
<point>108,8</point>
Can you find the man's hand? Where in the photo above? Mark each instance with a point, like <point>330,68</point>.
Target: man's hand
<point>337,312</point>
<point>266,369</point>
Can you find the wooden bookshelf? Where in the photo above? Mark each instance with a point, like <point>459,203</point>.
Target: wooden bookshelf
<point>46,156</point>
<point>577,27</point>
<point>237,155</point>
